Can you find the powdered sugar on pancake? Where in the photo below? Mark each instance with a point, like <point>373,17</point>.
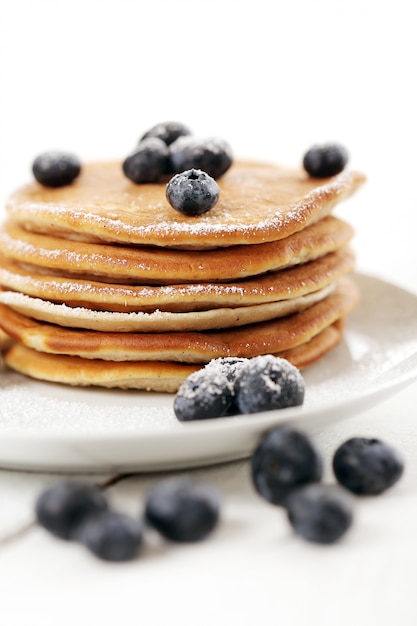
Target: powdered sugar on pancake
<point>157,321</point>
<point>149,265</point>
<point>258,203</point>
<point>270,287</point>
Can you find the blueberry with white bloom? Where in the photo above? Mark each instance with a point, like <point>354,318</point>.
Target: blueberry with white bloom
<point>212,155</point>
<point>148,163</point>
<point>167,131</point>
<point>192,192</point>
<point>267,382</point>
<point>205,394</point>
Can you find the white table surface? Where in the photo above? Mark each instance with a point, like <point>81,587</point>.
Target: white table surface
<point>91,79</point>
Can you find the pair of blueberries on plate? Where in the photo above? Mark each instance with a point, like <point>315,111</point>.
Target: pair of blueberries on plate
<point>229,386</point>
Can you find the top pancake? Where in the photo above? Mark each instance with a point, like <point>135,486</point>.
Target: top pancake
<point>259,202</point>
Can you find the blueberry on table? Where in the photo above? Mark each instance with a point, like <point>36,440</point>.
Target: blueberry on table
<point>367,466</point>
<point>267,382</point>
<point>167,131</point>
<point>320,513</point>
<point>112,536</point>
<point>284,460</point>
<point>213,155</point>
<point>64,506</point>
<point>192,192</point>
<point>326,160</point>
<point>56,169</point>
<point>148,162</point>
<point>181,510</point>
<point>205,394</point>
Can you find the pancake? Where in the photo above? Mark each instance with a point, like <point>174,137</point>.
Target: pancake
<point>190,347</point>
<point>144,265</point>
<point>259,202</point>
<point>271,287</point>
<point>150,376</point>
<point>158,321</point>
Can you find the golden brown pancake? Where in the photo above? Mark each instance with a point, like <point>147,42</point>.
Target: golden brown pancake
<point>157,321</point>
<point>189,347</point>
<point>259,202</point>
<point>160,376</point>
<point>151,265</point>
<point>270,287</point>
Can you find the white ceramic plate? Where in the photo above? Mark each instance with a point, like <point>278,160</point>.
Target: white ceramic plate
<point>52,427</point>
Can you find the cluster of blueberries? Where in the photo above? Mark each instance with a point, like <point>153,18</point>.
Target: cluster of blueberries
<point>286,470</point>
<point>171,149</point>
<point>179,509</point>
<point>194,164</point>
<point>287,459</point>
<point>234,385</point>
<point>167,149</point>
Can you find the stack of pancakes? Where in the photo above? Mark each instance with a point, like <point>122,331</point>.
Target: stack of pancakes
<point>104,283</point>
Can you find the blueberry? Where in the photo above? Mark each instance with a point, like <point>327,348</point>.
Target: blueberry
<point>213,155</point>
<point>167,131</point>
<point>112,536</point>
<point>192,192</point>
<point>64,506</point>
<point>285,459</point>
<point>204,394</point>
<point>148,162</point>
<point>326,160</point>
<point>56,169</point>
<point>320,513</point>
<point>367,466</point>
<point>267,382</point>
<point>181,510</point>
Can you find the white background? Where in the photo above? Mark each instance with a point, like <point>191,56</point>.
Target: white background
<point>272,78</point>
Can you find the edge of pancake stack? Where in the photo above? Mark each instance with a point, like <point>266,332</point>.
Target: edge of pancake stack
<point>103,283</point>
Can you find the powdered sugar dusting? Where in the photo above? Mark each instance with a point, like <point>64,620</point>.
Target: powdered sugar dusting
<point>258,202</point>
<point>215,376</point>
<point>21,249</point>
<point>81,317</point>
<point>71,411</point>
